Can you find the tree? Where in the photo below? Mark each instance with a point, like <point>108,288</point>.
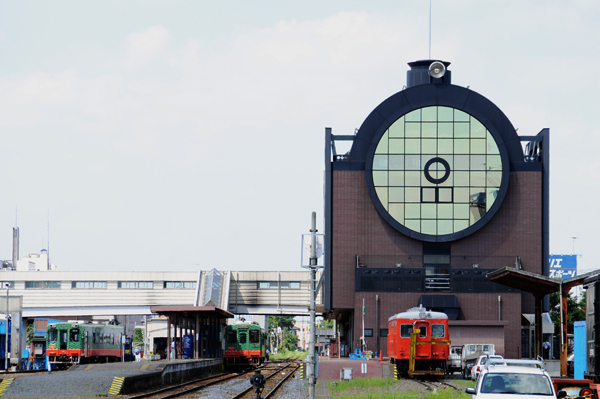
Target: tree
<point>285,322</point>
<point>575,311</point>
<point>29,333</point>
<point>290,341</point>
<point>138,335</point>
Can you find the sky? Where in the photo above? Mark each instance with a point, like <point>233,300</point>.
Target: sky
<point>188,135</point>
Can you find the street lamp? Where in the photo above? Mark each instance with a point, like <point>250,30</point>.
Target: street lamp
<point>6,353</point>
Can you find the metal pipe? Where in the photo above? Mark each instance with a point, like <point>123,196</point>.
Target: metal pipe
<point>499,308</point>
<point>6,352</point>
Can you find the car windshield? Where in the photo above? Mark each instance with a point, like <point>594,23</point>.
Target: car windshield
<point>484,359</point>
<point>516,383</point>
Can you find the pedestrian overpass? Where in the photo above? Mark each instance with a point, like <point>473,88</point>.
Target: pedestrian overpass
<point>95,294</point>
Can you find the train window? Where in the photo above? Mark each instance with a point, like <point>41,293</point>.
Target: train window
<point>422,331</point>
<point>438,331</point>
<point>94,338</point>
<point>242,338</point>
<point>231,337</point>
<point>74,335</point>
<point>254,336</point>
<point>52,335</point>
<point>112,338</point>
<point>406,330</point>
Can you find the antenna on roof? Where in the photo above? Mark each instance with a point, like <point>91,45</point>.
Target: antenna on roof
<point>429,29</point>
<point>48,252</point>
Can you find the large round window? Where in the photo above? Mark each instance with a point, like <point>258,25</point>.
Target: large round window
<point>436,171</point>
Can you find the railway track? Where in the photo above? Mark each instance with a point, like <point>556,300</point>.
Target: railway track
<point>179,390</point>
<point>273,382</point>
<point>436,385</point>
<point>195,387</point>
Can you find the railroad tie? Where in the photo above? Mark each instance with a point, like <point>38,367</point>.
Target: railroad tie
<point>115,387</point>
<point>5,384</point>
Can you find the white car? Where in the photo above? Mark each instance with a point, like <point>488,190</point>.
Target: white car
<point>525,379</point>
<point>479,365</point>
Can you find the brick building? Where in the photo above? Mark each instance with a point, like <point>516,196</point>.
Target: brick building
<point>436,191</point>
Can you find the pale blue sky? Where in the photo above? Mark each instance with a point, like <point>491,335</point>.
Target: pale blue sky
<point>177,135</point>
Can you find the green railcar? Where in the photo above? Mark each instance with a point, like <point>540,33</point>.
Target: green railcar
<point>70,343</point>
<point>245,344</point>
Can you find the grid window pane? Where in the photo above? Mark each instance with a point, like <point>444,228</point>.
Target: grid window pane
<point>413,146</point>
<point>396,146</point>
<point>413,116</point>
<point>380,178</point>
<point>397,212</point>
<point>458,199</point>
<point>428,194</point>
<point>382,148</point>
<point>396,178</point>
<point>429,130</point>
<point>397,129</point>
<point>396,162</point>
<point>396,194</point>
<point>412,129</point>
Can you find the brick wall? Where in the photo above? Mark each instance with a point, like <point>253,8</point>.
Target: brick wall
<point>357,228</point>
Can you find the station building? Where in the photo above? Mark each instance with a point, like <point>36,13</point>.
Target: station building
<point>436,191</point>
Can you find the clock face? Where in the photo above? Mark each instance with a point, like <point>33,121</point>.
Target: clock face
<point>436,171</point>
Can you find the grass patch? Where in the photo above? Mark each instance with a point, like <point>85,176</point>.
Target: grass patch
<point>382,388</point>
<point>465,383</point>
<point>398,395</point>
<point>288,355</point>
<point>385,383</point>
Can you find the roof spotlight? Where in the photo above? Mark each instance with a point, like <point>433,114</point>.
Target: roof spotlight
<point>437,69</point>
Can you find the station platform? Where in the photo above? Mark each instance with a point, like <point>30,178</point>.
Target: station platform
<point>102,379</point>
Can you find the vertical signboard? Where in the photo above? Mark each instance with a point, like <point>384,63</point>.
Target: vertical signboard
<point>563,266</point>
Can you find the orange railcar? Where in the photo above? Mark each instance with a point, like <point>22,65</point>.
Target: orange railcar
<point>430,346</point>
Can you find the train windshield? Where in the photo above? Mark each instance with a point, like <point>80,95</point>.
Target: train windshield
<point>74,337</point>
<point>437,331</point>
<point>231,337</point>
<point>52,334</point>
<point>422,331</point>
<point>254,336</point>
<point>242,338</point>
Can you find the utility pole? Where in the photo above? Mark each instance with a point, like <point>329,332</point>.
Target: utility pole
<point>6,330</point>
<point>313,277</point>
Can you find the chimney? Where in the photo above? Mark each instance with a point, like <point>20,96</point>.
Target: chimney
<point>15,254</point>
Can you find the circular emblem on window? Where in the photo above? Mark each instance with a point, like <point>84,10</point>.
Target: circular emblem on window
<point>433,161</point>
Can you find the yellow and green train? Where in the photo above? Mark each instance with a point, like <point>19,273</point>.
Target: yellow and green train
<point>245,344</point>
<point>72,343</point>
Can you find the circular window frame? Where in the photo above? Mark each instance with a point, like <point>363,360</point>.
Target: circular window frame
<point>387,115</point>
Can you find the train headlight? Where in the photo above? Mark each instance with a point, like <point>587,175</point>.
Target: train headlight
<point>257,380</point>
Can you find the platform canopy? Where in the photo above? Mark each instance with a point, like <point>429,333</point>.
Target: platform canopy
<point>535,284</point>
<point>540,286</point>
<point>188,311</point>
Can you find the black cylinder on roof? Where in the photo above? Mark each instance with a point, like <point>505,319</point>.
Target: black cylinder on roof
<point>419,73</point>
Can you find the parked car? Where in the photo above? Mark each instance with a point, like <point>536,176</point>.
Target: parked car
<point>480,363</point>
<point>519,379</point>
